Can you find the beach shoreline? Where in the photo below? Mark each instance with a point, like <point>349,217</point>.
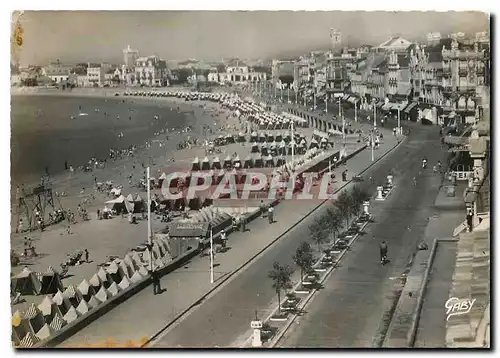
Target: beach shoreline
<point>196,114</point>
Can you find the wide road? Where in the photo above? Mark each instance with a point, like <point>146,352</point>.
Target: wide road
<point>352,309</point>
<point>224,319</point>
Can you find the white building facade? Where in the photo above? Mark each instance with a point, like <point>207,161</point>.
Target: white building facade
<point>150,71</point>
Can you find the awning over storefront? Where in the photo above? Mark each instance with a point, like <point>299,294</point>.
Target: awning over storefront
<point>321,134</point>
<point>379,104</point>
<point>345,97</point>
<point>398,106</point>
<point>352,99</point>
<point>189,229</point>
<point>454,140</point>
<point>410,107</point>
<point>387,106</point>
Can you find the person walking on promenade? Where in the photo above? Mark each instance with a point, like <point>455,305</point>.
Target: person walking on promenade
<point>86,252</point>
<point>383,252</point>
<point>270,214</point>
<point>263,208</point>
<point>155,278</point>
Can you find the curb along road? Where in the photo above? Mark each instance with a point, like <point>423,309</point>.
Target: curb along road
<point>310,296</point>
<point>153,339</point>
<point>326,275</point>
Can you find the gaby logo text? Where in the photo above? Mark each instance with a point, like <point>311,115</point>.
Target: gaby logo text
<point>456,306</point>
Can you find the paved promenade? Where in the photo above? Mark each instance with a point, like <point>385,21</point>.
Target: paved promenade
<point>147,314</point>
<point>350,310</point>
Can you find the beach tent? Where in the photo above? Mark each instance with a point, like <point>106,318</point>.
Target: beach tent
<point>115,191</point>
<point>241,137</point>
<point>34,318</point>
<point>29,341</point>
<point>314,144</point>
<point>50,282</point>
<point>20,326</point>
<point>85,289</point>
<point>57,323</point>
<point>104,277</point>
<point>45,332</point>
<point>264,149</point>
<point>254,137</point>
<point>280,161</point>
<point>134,204</point>
<point>269,137</point>
<point>63,304</point>
<point>26,283</point>
<point>262,138</point>
<point>73,295</point>
<point>49,309</point>
<point>258,162</point>
<point>269,161</point>
<point>195,165</point>
<point>237,162</point>
<point>205,164</point>
<point>255,148</point>
<point>118,204</point>
<point>72,315</point>
<point>248,163</point>
<point>278,137</point>
<point>216,163</point>
<point>228,163</point>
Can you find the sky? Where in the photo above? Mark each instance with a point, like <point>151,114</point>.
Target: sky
<point>82,36</point>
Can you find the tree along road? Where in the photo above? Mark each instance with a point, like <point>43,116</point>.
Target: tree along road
<point>353,308</point>
<point>224,319</point>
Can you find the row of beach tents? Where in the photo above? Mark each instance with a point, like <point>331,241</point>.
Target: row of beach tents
<point>65,306</point>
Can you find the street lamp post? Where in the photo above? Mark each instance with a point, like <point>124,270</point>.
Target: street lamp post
<point>339,106</point>
<point>150,239</point>
<point>373,146</point>
<point>355,111</point>
<point>399,121</point>
<point>326,103</point>
<point>211,256</point>
<point>293,140</point>
<point>374,116</point>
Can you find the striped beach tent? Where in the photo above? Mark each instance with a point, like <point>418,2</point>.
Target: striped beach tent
<point>57,323</point>
<point>34,317</point>
<point>29,340</point>
<point>73,295</point>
